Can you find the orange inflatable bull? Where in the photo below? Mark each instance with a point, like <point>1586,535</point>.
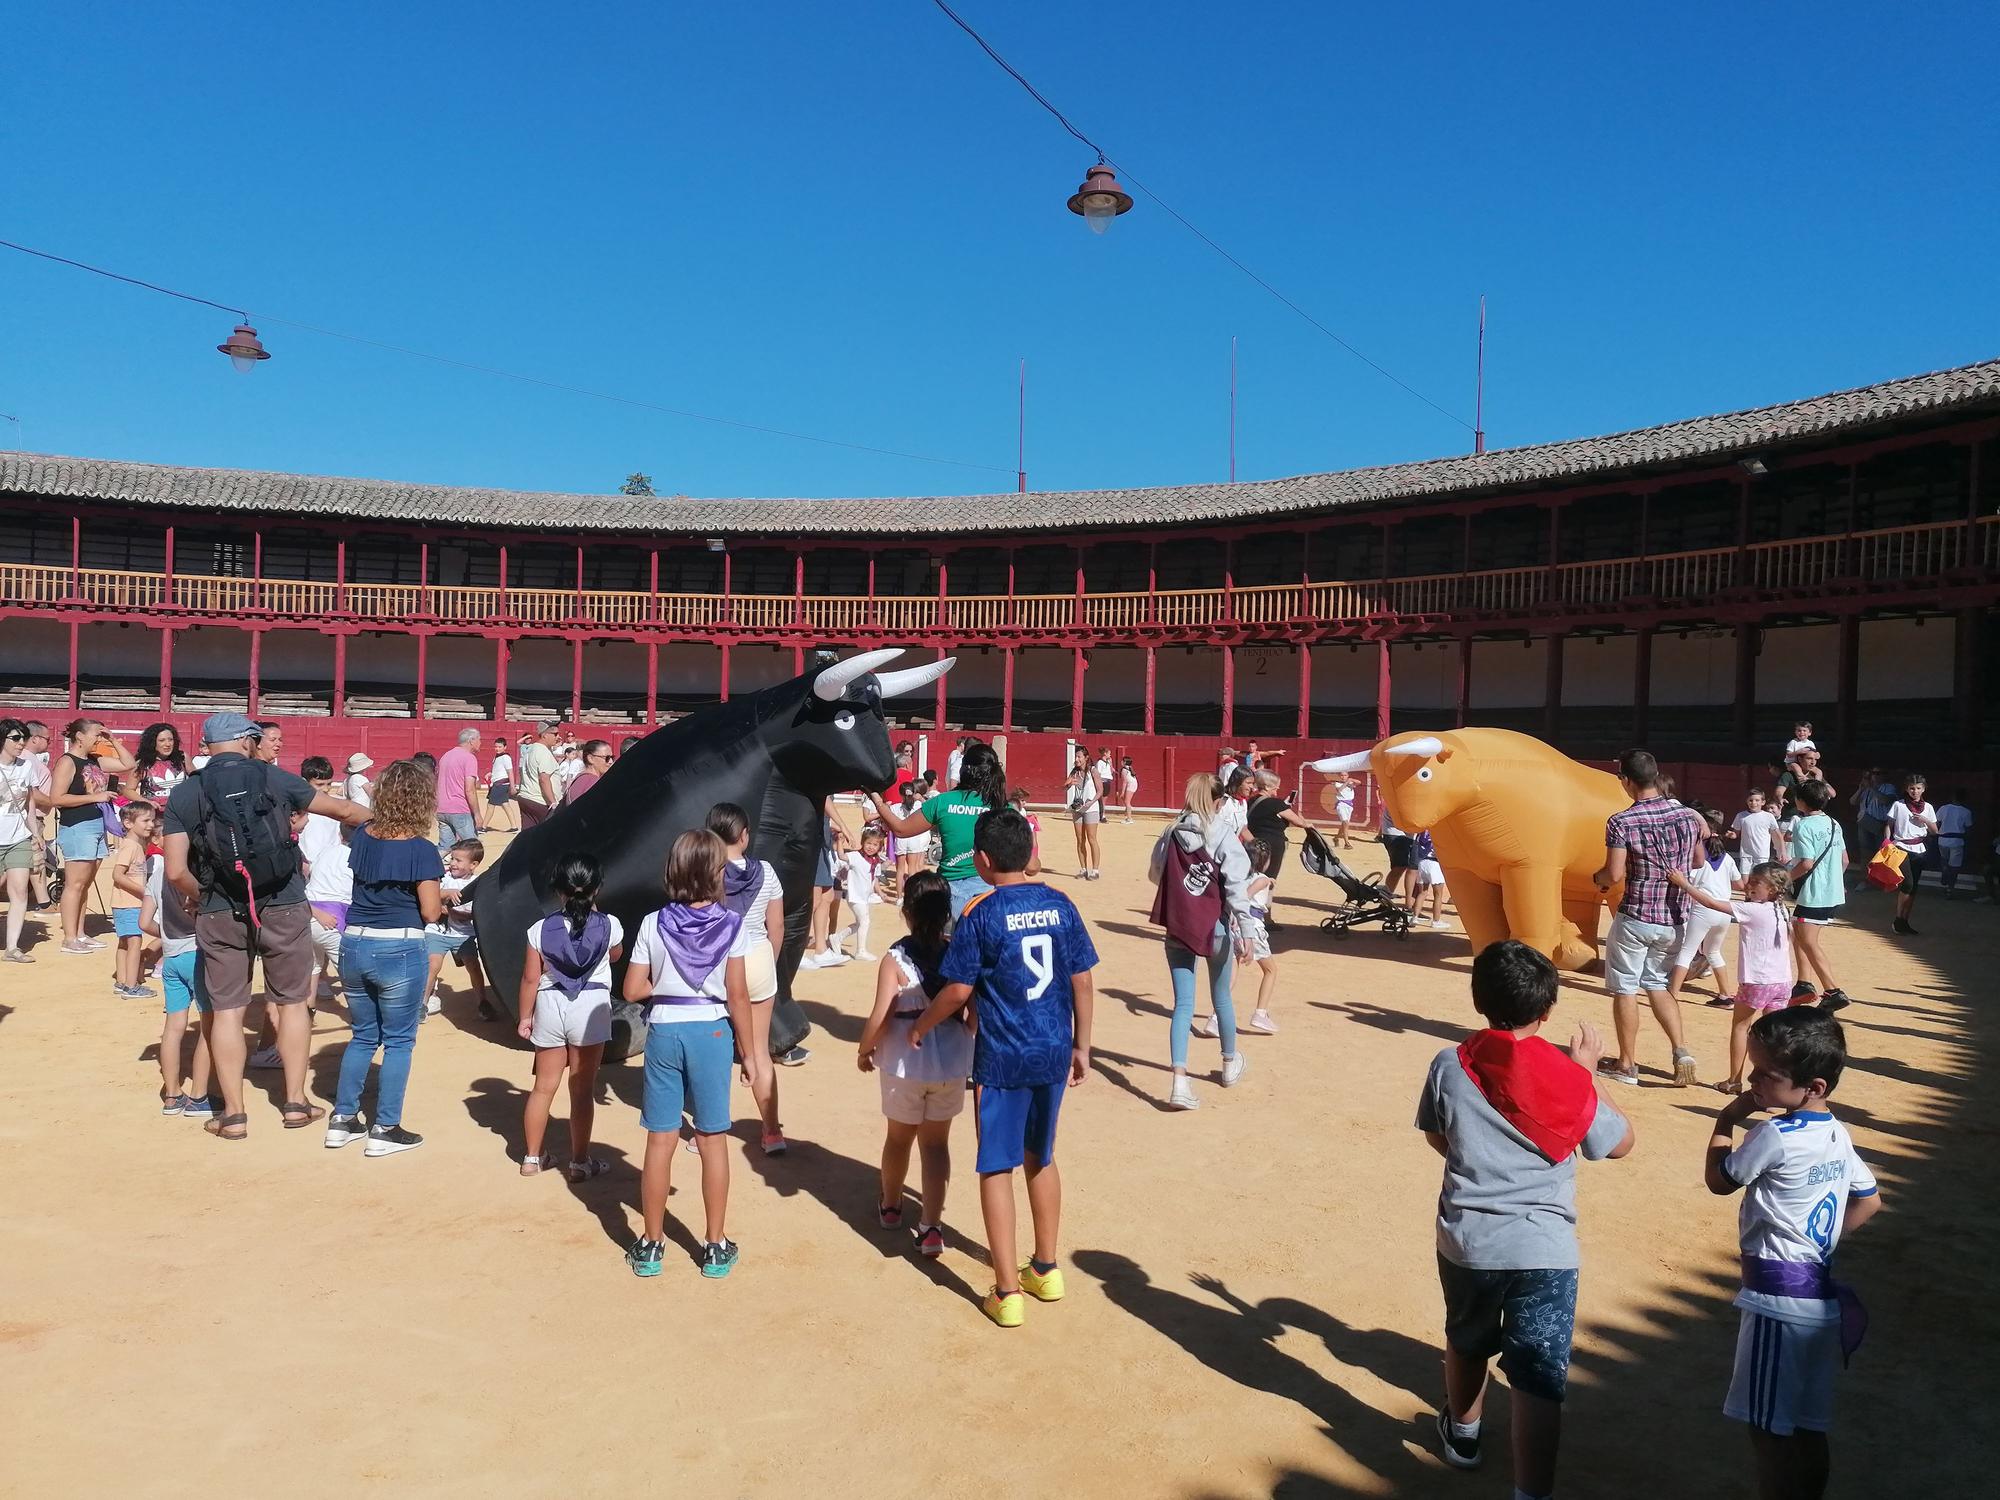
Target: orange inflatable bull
<point>1519,830</point>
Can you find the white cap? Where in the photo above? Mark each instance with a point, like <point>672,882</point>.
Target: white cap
<point>358,762</point>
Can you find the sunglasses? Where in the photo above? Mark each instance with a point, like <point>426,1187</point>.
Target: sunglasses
<point>22,737</point>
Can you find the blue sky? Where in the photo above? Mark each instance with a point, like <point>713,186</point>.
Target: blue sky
<point>843,220</point>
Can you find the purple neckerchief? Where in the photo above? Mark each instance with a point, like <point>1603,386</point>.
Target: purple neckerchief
<point>571,962</point>
<point>740,885</point>
<point>1813,1281</point>
<point>697,940</point>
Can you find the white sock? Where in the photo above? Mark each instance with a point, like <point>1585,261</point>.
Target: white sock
<point>1465,1430</point>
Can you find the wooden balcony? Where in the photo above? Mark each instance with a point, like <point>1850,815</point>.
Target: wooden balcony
<point>1907,556</point>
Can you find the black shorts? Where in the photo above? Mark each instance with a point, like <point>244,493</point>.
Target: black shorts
<point>1526,1317</point>
<point>1402,851</point>
<point>1913,871</point>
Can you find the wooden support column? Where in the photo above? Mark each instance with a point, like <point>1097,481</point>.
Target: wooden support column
<point>257,570</point>
<point>340,576</point>
<point>938,715</point>
<point>424,577</point>
<point>74,686</point>
<point>576,681</point>
<point>339,674</point>
<point>1742,577</point>
<point>798,595</point>
<point>1305,651</point>
<point>75,568</point>
<point>1967,666</point>
<point>503,579</point>
<point>1552,690</point>
<point>872,615</point>
<point>1152,586</point>
<point>1746,690</point>
<point>1464,715</point>
<point>728,590</point>
<point>579,581</point>
<point>725,672</point>
<point>500,686</point>
<point>1013,605</point>
<point>166,670</point>
<point>653,675</point>
<point>256,670</point>
<point>652,596</point>
<point>1076,690</point>
<point>1228,692</point>
<point>1076,615</point>
<point>943,614</point>
<point>1152,685</point>
<point>1382,691</point>
<point>798,661</point>
<point>167,582</point>
<point>1229,584</point>
<point>1642,686</point>
<point>1007,679</point>
<point>423,666</point>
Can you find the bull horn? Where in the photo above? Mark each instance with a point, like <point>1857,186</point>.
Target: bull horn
<point>833,682</point>
<point>1424,746</point>
<point>1358,761</point>
<point>909,679</point>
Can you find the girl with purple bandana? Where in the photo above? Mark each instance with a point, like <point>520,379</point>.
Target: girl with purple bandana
<point>688,970</point>
<point>565,1009</point>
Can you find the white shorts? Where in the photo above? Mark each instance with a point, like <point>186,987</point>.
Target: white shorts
<point>563,1022</point>
<point>1783,1381</point>
<point>1429,872</point>
<point>913,843</point>
<point>1703,932</point>
<point>760,973</point>
<point>908,1101</point>
<point>1343,808</point>
<point>1951,854</point>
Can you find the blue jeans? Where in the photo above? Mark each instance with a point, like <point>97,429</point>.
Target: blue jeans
<point>1221,977</point>
<point>963,890</point>
<point>453,827</point>
<point>384,982</point>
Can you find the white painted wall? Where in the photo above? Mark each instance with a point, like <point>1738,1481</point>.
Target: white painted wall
<point>1509,674</point>
<point>1344,676</point>
<point>1905,659</point>
<point>1599,673</point>
<point>1699,671</point>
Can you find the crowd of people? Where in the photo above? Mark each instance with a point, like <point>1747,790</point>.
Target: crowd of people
<point>222,864</point>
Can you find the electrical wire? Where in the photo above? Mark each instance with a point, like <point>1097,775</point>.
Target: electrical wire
<point>515,375</point>
<point>1186,223</point>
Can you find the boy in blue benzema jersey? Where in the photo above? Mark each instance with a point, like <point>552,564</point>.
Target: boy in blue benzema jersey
<point>1021,955</point>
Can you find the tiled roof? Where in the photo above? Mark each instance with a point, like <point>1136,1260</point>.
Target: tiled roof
<point>1765,431</point>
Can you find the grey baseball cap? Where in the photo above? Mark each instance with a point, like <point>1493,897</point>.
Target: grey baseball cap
<point>228,725</point>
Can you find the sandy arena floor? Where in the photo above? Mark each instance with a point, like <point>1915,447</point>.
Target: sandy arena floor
<point>1253,1306</point>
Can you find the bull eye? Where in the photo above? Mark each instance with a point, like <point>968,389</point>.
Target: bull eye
<point>844,719</point>
<point>1423,773</point>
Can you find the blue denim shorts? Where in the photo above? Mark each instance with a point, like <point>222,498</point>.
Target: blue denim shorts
<point>1015,1124</point>
<point>125,921</point>
<point>180,983</point>
<point>1528,1318</point>
<point>464,944</point>
<point>687,1070</point>
<point>81,840</point>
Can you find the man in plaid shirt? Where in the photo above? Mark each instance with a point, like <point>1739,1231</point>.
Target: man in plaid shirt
<point>1652,836</point>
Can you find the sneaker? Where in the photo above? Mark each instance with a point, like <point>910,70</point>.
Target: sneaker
<point>717,1258</point>
<point>387,1140</point>
<point>930,1240</point>
<point>1007,1311</point>
<point>141,992</point>
<point>432,1005</point>
<point>198,1109</point>
<point>1803,991</point>
<point>867,957</point>
<point>1460,1453</point>
<point>1205,1026</point>
<point>1440,927</point>
<point>890,1217</point>
<point>1232,1070</point>
<point>266,1057</point>
<point>1610,1072</point>
<point>1684,1068</point>
<point>1043,1286</point>
<point>644,1256</point>
<point>174,1104</point>
<point>810,961</point>
<point>1903,929</point>
<point>796,1058</point>
<point>1183,1096</point>
<point>833,958</point>
<point>340,1129</point>
<point>1260,1021</point>
<point>774,1144</point>
<point>1835,999</point>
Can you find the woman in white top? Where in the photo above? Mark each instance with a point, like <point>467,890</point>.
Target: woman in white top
<point>500,793</point>
<point>17,831</point>
<point>688,967</point>
<point>923,1088</point>
<point>1911,821</point>
<point>1086,810</point>
<point>750,888</point>
<point>357,788</point>
<point>1343,810</point>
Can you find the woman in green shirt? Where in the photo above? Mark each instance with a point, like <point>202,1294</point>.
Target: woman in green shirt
<point>982,785</point>
<point>1819,867</point>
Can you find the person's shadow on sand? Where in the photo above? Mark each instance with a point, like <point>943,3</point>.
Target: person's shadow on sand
<point>495,1104</point>
<point>1238,1340</point>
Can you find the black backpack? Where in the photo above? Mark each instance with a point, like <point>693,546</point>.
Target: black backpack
<point>243,837</point>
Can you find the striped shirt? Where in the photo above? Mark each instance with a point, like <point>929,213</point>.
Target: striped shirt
<point>1657,835</point>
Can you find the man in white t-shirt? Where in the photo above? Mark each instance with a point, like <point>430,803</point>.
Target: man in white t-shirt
<point>1911,821</point>
<point>1954,821</point>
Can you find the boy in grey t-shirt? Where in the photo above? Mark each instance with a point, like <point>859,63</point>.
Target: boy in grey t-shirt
<point>1509,1113</point>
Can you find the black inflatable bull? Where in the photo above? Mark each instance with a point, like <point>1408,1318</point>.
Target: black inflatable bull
<point>777,754</point>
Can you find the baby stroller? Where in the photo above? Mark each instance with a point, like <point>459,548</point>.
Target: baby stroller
<point>1366,901</point>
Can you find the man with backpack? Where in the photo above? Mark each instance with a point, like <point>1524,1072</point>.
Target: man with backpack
<point>230,851</point>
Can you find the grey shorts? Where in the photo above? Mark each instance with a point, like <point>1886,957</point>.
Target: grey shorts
<point>1638,955</point>
<point>284,949</point>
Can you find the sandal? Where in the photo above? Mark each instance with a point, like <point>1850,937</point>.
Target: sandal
<point>584,1168</point>
<point>532,1165</point>
<point>221,1126</point>
<point>1729,1086</point>
<point>299,1116</point>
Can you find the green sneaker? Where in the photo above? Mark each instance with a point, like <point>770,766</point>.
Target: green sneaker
<point>717,1258</point>
<point>644,1256</point>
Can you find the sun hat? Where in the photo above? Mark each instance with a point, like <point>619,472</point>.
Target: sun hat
<point>357,763</point>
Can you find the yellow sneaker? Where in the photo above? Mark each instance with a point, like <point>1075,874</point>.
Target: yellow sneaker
<point>1007,1311</point>
<point>1043,1288</point>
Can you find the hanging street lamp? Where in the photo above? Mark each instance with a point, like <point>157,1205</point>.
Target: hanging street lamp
<point>1100,199</point>
<point>243,348</point>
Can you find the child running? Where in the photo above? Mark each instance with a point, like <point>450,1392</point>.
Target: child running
<point>565,1009</point>
<point>687,968</point>
<point>453,937</point>
<point>1261,888</point>
<point>1021,954</point>
<point>1706,931</point>
<point>1763,954</point>
<point>923,1089</point>
<point>128,895</point>
<point>1803,1186</point>
<point>1510,1114</point>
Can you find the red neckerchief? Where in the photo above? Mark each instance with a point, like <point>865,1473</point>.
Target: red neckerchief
<point>1536,1088</point>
